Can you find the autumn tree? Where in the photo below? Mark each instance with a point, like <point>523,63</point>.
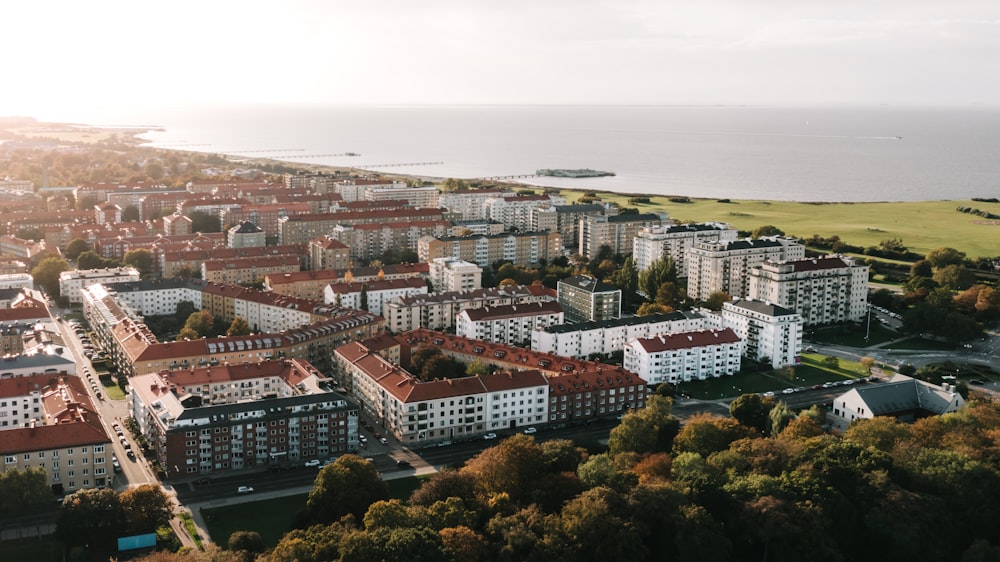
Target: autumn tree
<point>146,508</point>
<point>92,517</point>
<point>941,257</point>
<point>511,468</point>
<point>752,410</point>
<point>200,323</point>
<point>23,490</point>
<point>717,299</point>
<point>705,434</point>
<point>347,486</point>
<point>238,327</point>
<point>650,430</point>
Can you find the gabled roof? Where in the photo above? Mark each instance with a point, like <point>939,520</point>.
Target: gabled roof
<point>904,394</point>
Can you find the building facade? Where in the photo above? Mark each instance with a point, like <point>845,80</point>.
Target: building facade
<point>823,290</point>
<point>509,324</point>
<point>585,299</point>
<point>685,356</point>
<point>437,311</point>
<point>71,283</point>
<point>231,417</point>
<point>450,274</point>
<point>724,266</point>
<point>673,241</point>
<point>519,248</point>
<point>771,334</point>
<point>614,231</point>
<point>586,339</point>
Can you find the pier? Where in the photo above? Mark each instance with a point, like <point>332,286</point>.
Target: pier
<point>363,166</point>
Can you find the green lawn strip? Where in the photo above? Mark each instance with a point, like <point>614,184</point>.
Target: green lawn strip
<point>45,549</point>
<point>192,531</point>
<point>112,390</point>
<point>271,518</point>
<point>921,225</point>
<point>846,368</point>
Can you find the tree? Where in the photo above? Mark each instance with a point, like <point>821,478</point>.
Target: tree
<point>650,308</point>
<point>779,417</point>
<point>831,362</point>
<point>941,257</point>
<point>187,334</point>
<point>249,541</point>
<point>659,272</point>
<point>92,260</point>
<point>462,543</point>
<point>130,214</point>
<point>717,299</point>
<point>956,277</point>
<point>867,362</point>
<point>767,230</point>
<point>363,305</point>
<point>141,259</point>
<point>204,222</point>
<point>46,274</point>
<point>752,410</point>
<point>650,430</point>
<point>705,434</point>
<point>185,309</point>
<point>511,468</point>
<point>921,268</point>
<point>347,486</point>
<point>154,170</point>
<point>627,279</point>
<point>671,294</point>
<point>76,247</point>
<point>92,517</point>
<point>23,490</point>
<point>200,322</point>
<point>446,484</point>
<point>476,367</point>
<point>238,327</point>
<point>146,507</point>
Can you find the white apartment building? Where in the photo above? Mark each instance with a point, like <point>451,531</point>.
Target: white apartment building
<point>470,202</point>
<point>602,338</point>
<point>157,298</point>
<point>376,293</point>
<point>416,411</point>
<point>451,274</point>
<point>437,311</point>
<point>515,212</point>
<point>615,231</point>
<point>511,324</point>
<point>823,290</point>
<point>771,334</point>
<point>418,197</point>
<point>17,281</point>
<point>725,265</point>
<point>354,189</point>
<point>654,242</point>
<point>71,282</point>
<point>685,356</point>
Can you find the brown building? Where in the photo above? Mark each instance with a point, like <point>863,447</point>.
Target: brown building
<point>231,417</point>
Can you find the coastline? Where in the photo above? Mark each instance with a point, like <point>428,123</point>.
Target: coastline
<point>921,225</point>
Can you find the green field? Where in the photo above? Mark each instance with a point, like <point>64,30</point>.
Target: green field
<point>271,518</point>
<point>922,226</point>
<point>808,373</point>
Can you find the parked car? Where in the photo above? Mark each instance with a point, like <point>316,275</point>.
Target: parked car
<point>530,430</point>
<point>403,464</point>
<point>312,463</point>
<point>244,490</point>
<point>490,435</point>
<point>383,440</point>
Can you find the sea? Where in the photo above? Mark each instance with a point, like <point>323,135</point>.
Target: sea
<point>835,154</point>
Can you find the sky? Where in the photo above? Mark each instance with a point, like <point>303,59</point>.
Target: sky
<point>66,59</point>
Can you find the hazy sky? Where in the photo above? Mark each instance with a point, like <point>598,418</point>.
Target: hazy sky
<point>71,59</point>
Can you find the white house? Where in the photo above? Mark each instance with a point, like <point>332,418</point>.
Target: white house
<point>375,292</point>
<point>823,290</point>
<point>451,274</point>
<point>771,334</point>
<point>71,282</point>
<point>903,398</point>
<point>608,336</point>
<point>686,356</point>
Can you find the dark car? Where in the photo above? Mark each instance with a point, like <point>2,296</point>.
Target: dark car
<point>403,464</point>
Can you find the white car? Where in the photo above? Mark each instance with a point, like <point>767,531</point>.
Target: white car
<point>244,490</point>
<point>489,436</point>
<point>313,463</point>
<point>530,430</point>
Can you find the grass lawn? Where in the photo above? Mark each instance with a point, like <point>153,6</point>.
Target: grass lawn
<point>809,373</point>
<point>271,518</point>
<point>112,390</point>
<point>36,550</point>
<point>853,336</point>
<point>921,225</point>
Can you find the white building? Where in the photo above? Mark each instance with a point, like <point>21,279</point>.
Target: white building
<point>903,398</point>
<point>771,334</point>
<point>823,290</point>
<point>437,311</point>
<point>511,324</point>
<point>450,274</point>
<point>724,266</point>
<point>71,282</point>
<point>416,411</point>
<point>686,356</point>
<point>418,197</point>
<point>17,281</point>
<point>376,293</point>
<point>470,202</point>
<point>654,242</point>
<point>515,212</point>
<point>591,338</point>
<point>614,231</point>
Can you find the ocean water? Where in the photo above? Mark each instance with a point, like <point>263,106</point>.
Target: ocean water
<point>795,154</point>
